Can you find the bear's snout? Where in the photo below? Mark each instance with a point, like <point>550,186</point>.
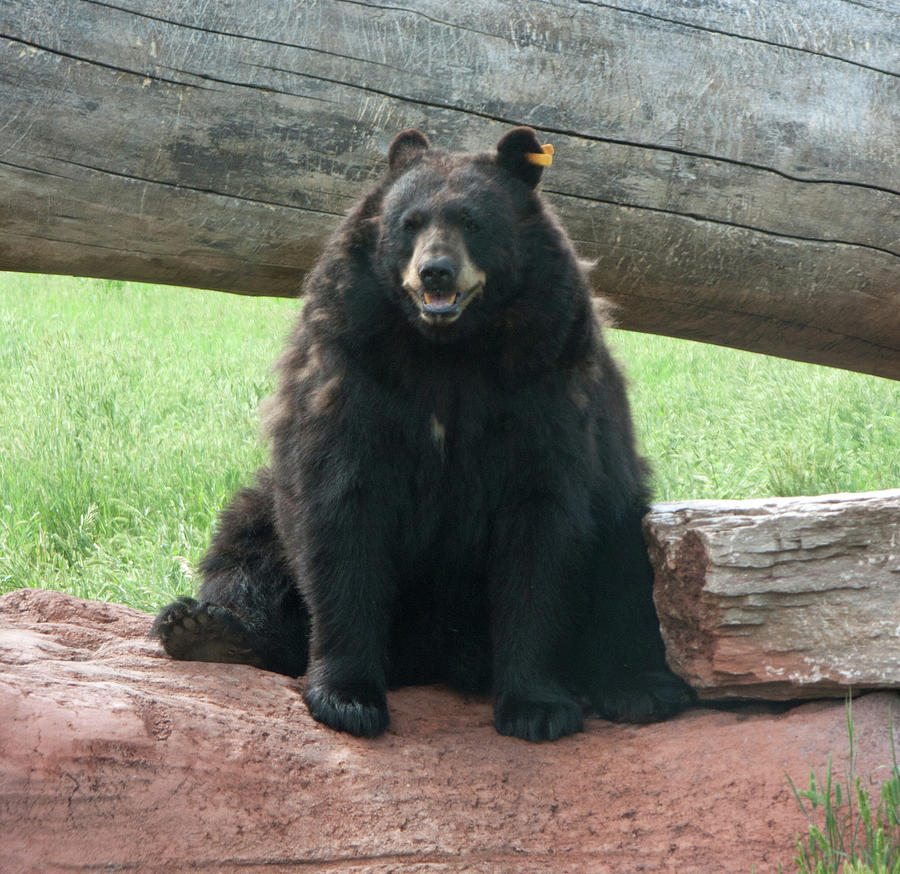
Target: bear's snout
<point>441,277</point>
<point>438,274</point>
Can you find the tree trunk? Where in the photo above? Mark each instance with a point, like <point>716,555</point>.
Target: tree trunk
<point>734,171</point>
<point>782,597</point>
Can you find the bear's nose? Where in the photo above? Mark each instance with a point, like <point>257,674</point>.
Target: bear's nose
<point>438,274</point>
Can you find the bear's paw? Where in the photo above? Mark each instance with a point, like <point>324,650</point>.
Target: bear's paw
<point>362,713</point>
<point>538,718</point>
<point>649,696</point>
<point>192,630</point>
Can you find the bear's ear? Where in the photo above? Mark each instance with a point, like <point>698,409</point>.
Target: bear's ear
<point>406,147</point>
<point>520,153</point>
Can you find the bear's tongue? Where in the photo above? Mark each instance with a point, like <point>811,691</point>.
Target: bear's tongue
<point>439,302</point>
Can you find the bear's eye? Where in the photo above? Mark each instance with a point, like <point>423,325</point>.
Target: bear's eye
<point>469,222</point>
<point>412,221</point>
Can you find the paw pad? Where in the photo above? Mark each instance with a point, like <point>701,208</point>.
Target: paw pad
<point>191,630</point>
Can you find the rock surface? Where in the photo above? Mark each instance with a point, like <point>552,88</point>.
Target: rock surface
<point>780,597</point>
<point>114,757</point>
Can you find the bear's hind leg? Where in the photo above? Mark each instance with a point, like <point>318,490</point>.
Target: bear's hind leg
<point>625,672</point>
<point>249,609</point>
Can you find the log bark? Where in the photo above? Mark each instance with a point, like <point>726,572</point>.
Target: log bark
<point>782,597</point>
<point>734,172</point>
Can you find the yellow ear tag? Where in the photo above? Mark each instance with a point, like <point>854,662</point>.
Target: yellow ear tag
<point>544,158</point>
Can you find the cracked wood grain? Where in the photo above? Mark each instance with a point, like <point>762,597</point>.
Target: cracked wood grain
<point>629,9</point>
<point>736,176</point>
<point>734,224</point>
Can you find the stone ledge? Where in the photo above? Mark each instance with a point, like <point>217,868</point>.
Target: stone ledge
<point>113,756</point>
<point>780,598</point>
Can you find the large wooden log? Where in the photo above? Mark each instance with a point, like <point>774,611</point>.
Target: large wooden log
<point>780,597</point>
<point>734,171</point>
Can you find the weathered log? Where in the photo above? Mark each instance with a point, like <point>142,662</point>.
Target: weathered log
<point>782,597</point>
<point>734,172</point>
<point>113,757</point>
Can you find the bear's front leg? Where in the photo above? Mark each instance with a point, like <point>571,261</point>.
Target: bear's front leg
<point>529,614</point>
<point>346,680</point>
<point>347,585</point>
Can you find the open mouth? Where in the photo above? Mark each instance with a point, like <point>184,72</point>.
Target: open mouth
<point>447,307</point>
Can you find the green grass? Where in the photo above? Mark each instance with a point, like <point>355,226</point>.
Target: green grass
<point>848,831</point>
<point>128,415</point>
<point>720,423</point>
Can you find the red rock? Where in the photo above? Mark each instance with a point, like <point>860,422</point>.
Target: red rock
<point>780,598</point>
<point>115,757</point>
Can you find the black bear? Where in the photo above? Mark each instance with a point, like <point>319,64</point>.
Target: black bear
<point>454,494</point>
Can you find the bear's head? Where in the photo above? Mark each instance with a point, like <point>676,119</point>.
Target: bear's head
<point>456,232</point>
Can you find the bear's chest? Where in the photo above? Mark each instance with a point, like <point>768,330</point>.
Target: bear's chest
<point>470,455</point>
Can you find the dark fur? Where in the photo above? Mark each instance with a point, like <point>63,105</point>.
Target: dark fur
<point>452,502</point>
